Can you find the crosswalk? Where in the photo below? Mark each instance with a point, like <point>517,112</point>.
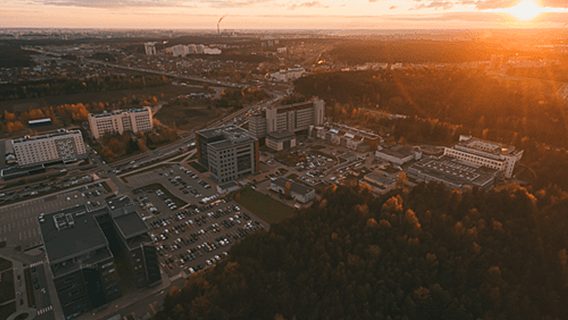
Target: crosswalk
<point>41,311</point>
<point>37,263</point>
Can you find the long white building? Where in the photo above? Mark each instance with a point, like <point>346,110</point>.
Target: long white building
<point>493,155</point>
<point>61,146</point>
<point>120,121</point>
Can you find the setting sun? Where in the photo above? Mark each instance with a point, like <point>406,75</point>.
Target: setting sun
<point>526,10</point>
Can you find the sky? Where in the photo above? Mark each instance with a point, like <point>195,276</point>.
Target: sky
<point>285,14</point>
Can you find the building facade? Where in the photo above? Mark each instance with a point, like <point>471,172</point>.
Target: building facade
<point>257,125</point>
<point>280,140</point>
<point>120,121</point>
<point>61,146</point>
<point>493,155</point>
<point>295,117</point>
<point>150,48</point>
<point>229,153</point>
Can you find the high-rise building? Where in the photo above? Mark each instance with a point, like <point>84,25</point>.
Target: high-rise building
<point>61,146</point>
<point>229,153</point>
<point>257,124</point>
<point>119,121</point>
<point>295,117</point>
<point>150,48</point>
<point>83,244</point>
<point>493,155</point>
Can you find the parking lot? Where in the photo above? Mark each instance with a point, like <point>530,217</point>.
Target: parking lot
<point>197,237</point>
<point>18,222</point>
<point>180,182</point>
<point>191,225</point>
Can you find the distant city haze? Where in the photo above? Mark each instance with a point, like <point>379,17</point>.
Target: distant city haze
<point>280,14</point>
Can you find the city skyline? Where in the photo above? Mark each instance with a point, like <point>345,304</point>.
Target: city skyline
<point>278,14</point>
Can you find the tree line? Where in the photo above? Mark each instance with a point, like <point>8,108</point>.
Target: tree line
<point>431,253</point>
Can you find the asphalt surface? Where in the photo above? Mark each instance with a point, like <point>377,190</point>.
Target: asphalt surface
<point>19,221</point>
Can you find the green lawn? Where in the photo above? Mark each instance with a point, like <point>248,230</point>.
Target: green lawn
<point>264,206</point>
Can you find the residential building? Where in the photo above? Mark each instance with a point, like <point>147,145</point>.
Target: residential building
<point>286,75</point>
<point>398,154</point>
<point>120,121</point>
<point>280,140</point>
<point>212,51</point>
<point>179,50</point>
<point>452,172</point>
<point>229,153</point>
<point>82,245</point>
<point>150,48</point>
<point>60,146</point>
<point>485,153</point>
<point>295,190</point>
<point>295,117</point>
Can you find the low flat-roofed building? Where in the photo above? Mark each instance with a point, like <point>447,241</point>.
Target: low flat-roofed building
<point>356,139</point>
<point>280,140</point>
<point>295,190</point>
<point>398,154</point>
<point>39,122</point>
<point>379,182</point>
<point>489,154</point>
<point>452,172</point>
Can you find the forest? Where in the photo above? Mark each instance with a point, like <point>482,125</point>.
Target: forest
<point>442,104</point>
<point>430,253</point>
<point>53,87</point>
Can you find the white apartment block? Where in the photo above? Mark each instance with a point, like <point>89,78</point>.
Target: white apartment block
<point>485,153</point>
<point>119,121</point>
<point>60,146</point>
<point>295,117</point>
<point>150,48</point>
<point>286,75</point>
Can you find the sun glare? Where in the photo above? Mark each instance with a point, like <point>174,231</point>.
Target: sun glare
<point>526,10</point>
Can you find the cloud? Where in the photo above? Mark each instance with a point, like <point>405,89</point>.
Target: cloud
<point>308,4</point>
<point>482,4</point>
<point>151,3</point>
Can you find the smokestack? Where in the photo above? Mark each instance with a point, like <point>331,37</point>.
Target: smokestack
<point>219,24</point>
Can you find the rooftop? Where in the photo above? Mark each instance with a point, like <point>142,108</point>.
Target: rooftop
<point>71,232</point>
<point>452,172</point>
<point>118,111</point>
<point>380,178</point>
<point>127,220</point>
<point>485,146</point>
<point>399,151</point>
<point>281,135</point>
<point>226,136</point>
<point>58,133</point>
<point>295,187</point>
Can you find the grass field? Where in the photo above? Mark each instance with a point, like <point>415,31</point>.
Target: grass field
<point>264,206</point>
